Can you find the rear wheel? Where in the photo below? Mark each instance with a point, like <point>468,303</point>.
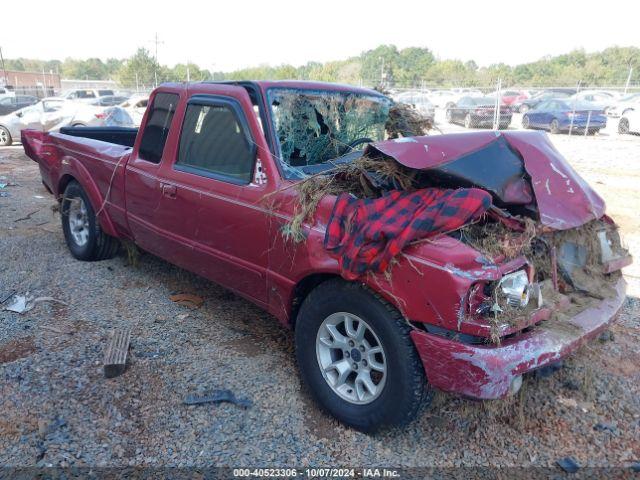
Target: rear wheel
<point>468,123</point>
<point>355,354</point>
<point>5,137</point>
<point>525,121</point>
<point>623,126</point>
<point>82,232</point>
<point>449,115</point>
<point>555,126</point>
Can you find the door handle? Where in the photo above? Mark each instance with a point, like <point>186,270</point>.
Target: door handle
<point>169,190</point>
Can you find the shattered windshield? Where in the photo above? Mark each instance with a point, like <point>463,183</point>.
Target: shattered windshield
<point>316,126</point>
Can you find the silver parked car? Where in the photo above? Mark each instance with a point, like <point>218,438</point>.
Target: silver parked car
<point>48,115</point>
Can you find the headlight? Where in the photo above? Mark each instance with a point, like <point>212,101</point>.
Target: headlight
<point>515,287</point>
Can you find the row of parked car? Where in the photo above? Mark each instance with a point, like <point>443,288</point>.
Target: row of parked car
<point>556,109</point>
<point>84,107</point>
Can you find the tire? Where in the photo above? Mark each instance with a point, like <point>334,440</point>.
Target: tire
<point>449,115</point>
<point>5,137</point>
<point>402,385</point>
<point>468,123</point>
<point>554,127</point>
<point>525,122</point>
<point>623,126</point>
<point>82,232</point>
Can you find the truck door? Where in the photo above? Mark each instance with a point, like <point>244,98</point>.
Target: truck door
<point>142,187</point>
<point>213,202</point>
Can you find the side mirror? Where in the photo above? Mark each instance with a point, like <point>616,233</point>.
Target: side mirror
<point>18,114</point>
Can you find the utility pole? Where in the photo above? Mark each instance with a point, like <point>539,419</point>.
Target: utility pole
<point>155,67</point>
<point>626,86</point>
<point>4,70</point>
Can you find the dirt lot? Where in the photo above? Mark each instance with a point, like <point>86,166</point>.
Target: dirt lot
<point>57,409</point>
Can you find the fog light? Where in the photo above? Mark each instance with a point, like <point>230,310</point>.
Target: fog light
<point>515,286</point>
<point>514,386</point>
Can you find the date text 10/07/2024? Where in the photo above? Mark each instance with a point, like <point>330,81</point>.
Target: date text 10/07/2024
<point>316,472</point>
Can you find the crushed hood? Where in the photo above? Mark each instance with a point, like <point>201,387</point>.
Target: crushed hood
<point>564,200</point>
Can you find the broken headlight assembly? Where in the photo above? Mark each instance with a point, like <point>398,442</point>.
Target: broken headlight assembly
<point>512,291</point>
<point>515,289</point>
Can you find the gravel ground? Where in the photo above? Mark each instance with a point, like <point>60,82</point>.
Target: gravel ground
<point>58,409</point>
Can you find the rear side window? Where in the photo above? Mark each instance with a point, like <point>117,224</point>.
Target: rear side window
<point>156,130</point>
<point>86,94</point>
<point>214,143</point>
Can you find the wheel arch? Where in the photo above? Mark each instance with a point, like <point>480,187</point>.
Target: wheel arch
<point>302,289</point>
<point>77,172</point>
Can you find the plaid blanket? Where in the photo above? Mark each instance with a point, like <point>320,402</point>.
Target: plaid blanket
<point>368,233</point>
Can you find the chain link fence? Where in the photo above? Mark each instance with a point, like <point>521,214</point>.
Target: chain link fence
<point>577,109</point>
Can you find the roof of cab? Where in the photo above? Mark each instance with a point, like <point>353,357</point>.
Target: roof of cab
<point>266,84</point>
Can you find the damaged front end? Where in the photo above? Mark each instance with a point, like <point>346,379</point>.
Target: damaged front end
<point>546,273</point>
<point>529,273</point>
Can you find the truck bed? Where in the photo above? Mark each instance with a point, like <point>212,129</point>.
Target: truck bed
<point>84,154</point>
<point>124,136</point>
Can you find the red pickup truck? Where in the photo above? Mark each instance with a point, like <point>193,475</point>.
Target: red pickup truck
<point>209,183</point>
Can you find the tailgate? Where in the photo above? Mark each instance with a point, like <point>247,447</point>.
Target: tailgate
<point>39,147</point>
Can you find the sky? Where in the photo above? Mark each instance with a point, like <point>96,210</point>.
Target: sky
<point>228,35</point>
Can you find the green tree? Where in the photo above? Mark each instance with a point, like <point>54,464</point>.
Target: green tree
<point>139,70</point>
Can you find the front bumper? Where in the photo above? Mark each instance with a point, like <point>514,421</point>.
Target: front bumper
<point>489,371</point>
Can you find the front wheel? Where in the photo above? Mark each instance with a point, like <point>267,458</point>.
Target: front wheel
<point>5,137</point>
<point>525,122</point>
<point>355,354</point>
<point>623,126</point>
<point>449,115</point>
<point>555,126</point>
<point>82,232</point>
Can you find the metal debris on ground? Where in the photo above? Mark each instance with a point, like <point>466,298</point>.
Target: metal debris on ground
<point>218,396</point>
<point>568,464</point>
<point>187,300</point>
<point>18,304</point>
<point>24,303</point>
<point>606,427</point>
<point>115,355</point>
<point>568,402</point>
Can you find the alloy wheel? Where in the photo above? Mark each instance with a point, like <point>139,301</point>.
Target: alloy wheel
<point>351,358</point>
<point>78,219</point>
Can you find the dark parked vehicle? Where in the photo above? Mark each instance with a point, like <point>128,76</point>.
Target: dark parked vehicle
<point>559,115</point>
<point>478,112</point>
<point>530,103</point>
<point>109,101</point>
<point>11,104</point>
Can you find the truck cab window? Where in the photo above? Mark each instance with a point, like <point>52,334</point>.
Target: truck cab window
<point>156,130</point>
<point>215,143</point>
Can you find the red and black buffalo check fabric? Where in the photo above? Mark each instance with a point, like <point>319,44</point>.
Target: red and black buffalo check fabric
<point>368,233</point>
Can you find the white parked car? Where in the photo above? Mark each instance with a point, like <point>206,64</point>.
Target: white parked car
<point>135,107</point>
<point>448,98</point>
<point>6,92</point>
<point>628,102</point>
<point>419,100</point>
<point>601,98</point>
<point>629,122</point>
<point>86,94</point>
<point>50,114</point>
